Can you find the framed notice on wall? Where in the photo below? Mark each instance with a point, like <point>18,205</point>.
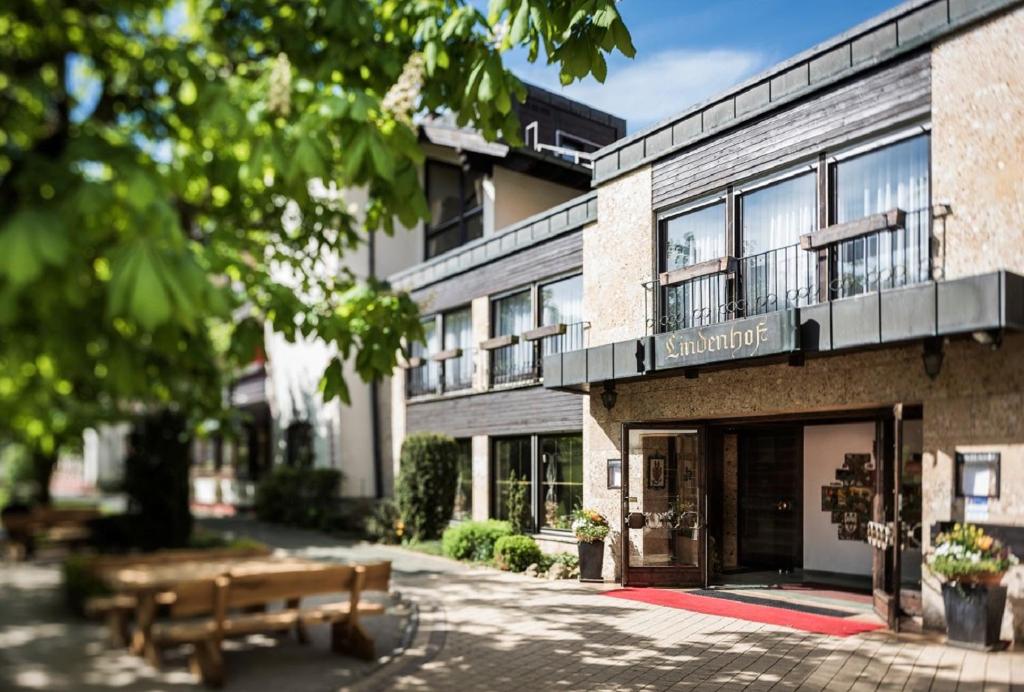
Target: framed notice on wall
<point>977,474</point>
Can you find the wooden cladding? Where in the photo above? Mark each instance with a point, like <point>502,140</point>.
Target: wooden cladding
<point>891,97</point>
<point>891,220</point>
<point>714,266</point>
<point>543,332</point>
<point>499,342</point>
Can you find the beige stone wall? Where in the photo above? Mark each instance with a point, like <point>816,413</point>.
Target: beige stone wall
<point>480,314</point>
<point>977,402</point>
<point>517,196</point>
<point>481,477</point>
<point>978,145</point>
<point>617,254</point>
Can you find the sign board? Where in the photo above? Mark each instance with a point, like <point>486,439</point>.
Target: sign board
<point>751,337</point>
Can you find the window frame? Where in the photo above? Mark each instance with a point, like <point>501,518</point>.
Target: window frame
<point>438,319</point>
<point>536,498</point>
<point>432,230</point>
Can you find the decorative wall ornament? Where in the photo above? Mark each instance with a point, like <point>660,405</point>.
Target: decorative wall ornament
<point>656,471</point>
<point>848,499</point>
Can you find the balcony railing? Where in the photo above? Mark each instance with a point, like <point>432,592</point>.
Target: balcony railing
<point>855,261</point>
<point>430,376</point>
<point>522,362</point>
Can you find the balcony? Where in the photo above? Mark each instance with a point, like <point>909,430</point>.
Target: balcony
<point>518,360</point>
<point>443,372</point>
<point>885,251</point>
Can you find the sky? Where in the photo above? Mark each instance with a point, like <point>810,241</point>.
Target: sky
<point>689,50</point>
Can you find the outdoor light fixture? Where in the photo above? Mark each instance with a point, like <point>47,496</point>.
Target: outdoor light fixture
<point>932,357</point>
<point>609,395</point>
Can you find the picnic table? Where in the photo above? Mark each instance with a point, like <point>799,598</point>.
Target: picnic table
<point>150,584</point>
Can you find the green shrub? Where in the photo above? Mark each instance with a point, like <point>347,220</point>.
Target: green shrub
<point>518,503</point>
<point>299,497</point>
<point>384,525</point>
<point>425,491</point>
<point>516,553</point>
<point>474,540</point>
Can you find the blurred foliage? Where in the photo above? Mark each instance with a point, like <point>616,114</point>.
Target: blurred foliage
<point>170,177</point>
<point>299,496</point>
<point>16,485</point>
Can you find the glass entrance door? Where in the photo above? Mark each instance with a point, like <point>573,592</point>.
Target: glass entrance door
<point>664,507</point>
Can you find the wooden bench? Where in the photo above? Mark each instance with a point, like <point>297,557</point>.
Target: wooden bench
<point>227,602</point>
<point>64,525</point>
<point>117,608</point>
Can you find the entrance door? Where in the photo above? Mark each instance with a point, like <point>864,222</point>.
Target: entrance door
<point>664,507</point>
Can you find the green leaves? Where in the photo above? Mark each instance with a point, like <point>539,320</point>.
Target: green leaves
<point>153,287</point>
<point>29,242</point>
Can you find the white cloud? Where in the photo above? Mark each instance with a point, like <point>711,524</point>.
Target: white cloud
<point>651,88</point>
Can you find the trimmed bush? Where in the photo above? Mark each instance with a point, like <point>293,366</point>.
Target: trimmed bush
<point>425,491</point>
<point>474,540</point>
<point>81,583</point>
<point>384,524</point>
<point>516,553</point>
<point>299,497</point>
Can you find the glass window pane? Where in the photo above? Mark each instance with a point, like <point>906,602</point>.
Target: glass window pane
<point>475,226</point>
<point>561,302</point>
<point>896,176</point>
<point>776,274</point>
<point>464,486</point>
<point>443,193</point>
<point>512,455</point>
<point>693,237</point>
<point>513,314</point>
<point>443,241</point>
<point>561,460</point>
<point>777,215</point>
<point>458,333</point>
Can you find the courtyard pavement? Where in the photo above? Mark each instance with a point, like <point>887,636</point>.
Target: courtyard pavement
<point>480,629</point>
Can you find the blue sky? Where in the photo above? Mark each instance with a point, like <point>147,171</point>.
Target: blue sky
<point>689,50</point>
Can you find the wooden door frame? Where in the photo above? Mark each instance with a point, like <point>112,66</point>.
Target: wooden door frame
<point>683,573</point>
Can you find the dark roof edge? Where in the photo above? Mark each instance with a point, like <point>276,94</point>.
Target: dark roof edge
<point>904,28</point>
<point>539,228</point>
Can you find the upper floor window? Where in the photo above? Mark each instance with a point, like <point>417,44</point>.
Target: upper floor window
<point>775,273</point>
<point>423,378</point>
<point>687,239</point>
<point>511,316</point>
<point>458,334</point>
<point>891,177</point>
<point>455,198</point>
<point>561,302</point>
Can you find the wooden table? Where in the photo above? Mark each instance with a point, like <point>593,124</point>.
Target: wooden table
<point>147,582</point>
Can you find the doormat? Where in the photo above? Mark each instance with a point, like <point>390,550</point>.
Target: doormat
<point>772,603</point>
<point>769,615</point>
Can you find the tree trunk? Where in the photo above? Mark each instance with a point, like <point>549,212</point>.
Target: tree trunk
<point>43,464</point>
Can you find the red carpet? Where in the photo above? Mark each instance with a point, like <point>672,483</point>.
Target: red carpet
<point>808,622</point>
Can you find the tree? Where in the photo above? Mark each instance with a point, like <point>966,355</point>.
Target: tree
<point>166,178</point>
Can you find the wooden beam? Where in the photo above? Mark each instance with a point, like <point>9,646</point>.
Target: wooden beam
<point>887,221</point>
<point>446,355</point>
<point>542,332</point>
<point>714,266</point>
<point>499,342</point>
<point>413,362</point>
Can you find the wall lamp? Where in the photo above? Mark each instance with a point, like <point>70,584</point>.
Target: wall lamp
<point>609,396</point>
<point>932,357</point>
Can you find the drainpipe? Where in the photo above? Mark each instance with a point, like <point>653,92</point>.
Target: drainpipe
<point>378,465</point>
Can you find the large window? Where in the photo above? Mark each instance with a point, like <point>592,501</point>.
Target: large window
<point>422,379</point>
<point>512,466</point>
<point>455,198</point>
<point>892,177</point>
<point>464,484</point>
<point>686,239</point>
<point>776,273</point>
<point>555,474</point>
<point>561,458</point>
<point>561,302</point>
<point>511,316</point>
<point>458,334</point>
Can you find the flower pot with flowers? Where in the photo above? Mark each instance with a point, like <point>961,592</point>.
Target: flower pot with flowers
<point>591,528</point>
<point>971,565</point>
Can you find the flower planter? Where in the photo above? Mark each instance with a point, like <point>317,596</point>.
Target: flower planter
<point>591,560</point>
<point>974,614</point>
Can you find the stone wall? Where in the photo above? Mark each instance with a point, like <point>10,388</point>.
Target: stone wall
<point>978,145</point>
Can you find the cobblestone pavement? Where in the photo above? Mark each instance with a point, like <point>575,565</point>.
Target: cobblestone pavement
<point>479,629</point>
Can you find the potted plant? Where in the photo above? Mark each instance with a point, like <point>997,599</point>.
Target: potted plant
<point>971,565</point>
<point>590,528</point>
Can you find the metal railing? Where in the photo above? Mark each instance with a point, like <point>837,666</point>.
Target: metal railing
<point>437,377</point>
<point>523,362</point>
<point>789,277</point>
<point>457,373</point>
<point>422,379</point>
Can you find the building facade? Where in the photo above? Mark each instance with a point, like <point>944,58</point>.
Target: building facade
<point>803,301</point>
